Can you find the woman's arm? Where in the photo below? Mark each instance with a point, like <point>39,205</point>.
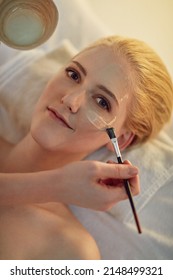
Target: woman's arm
<point>22,188</point>
<point>90,184</point>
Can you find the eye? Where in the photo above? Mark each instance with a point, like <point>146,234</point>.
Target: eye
<point>73,74</point>
<point>103,103</point>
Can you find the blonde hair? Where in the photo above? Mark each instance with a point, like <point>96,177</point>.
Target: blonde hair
<point>149,82</point>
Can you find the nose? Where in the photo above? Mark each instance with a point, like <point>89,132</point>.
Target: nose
<point>73,100</point>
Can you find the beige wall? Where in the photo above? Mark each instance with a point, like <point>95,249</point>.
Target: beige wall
<point>149,20</point>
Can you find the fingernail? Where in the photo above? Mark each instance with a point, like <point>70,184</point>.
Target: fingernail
<point>133,171</point>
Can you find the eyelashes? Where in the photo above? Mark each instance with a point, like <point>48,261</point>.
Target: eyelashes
<point>103,103</point>
<point>73,74</point>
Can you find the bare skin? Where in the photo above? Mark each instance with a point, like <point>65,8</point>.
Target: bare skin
<point>43,231</point>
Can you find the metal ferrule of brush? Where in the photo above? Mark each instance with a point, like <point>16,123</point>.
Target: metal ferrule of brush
<point>113,138</point>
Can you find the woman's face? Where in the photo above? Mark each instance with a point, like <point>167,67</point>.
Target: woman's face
<point>93,81</point>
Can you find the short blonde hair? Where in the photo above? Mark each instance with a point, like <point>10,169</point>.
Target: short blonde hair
<point>149,82</point>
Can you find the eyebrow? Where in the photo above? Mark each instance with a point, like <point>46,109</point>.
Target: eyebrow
<point>101,87</point>
<point>81,67</point>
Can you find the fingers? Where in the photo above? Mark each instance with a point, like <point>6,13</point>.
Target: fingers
<point>118,171</point>
<point>133,181</point>
<point>115,180</point>
<point>134,185</point>
<point>111,175</point>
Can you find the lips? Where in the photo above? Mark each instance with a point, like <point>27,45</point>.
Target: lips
<point>54,113</point>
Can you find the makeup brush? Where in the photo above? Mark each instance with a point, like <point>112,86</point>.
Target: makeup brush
<point>113,138</point>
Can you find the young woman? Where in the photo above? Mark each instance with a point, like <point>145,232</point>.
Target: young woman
<point>118,78</point>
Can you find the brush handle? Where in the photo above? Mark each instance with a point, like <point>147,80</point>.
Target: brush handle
<point>113,138</point>
<point>128,191</point>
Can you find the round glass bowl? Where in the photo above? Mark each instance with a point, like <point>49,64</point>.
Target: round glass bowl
<point>26,24</point>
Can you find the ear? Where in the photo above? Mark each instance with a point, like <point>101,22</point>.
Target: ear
<point>124,141</point>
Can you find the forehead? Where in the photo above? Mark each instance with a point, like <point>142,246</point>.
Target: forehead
<point>104,66</point>
<point>99,55</point>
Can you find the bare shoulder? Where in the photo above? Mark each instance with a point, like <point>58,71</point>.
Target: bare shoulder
<point>45,232</point>
<point>71,241</point>
<point>81,245</point>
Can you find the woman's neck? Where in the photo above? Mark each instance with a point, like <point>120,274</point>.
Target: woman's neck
<point>28,156</point>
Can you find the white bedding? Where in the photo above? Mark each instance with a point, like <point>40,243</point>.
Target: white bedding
<point>114,230</point>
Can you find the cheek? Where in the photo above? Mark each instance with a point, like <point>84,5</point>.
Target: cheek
<point>122,112</point>
<point>54,88</point>
<point>90,142</point>
<point>50,91</point>
<point>89,135</point>
<point>118,124</point>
